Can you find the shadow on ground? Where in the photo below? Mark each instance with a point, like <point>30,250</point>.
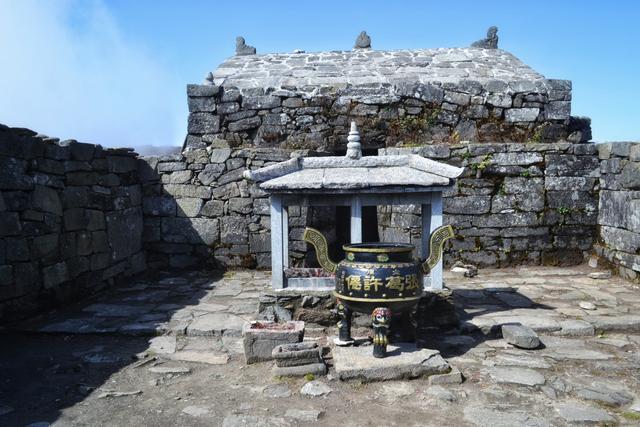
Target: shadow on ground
<point>56,360</point>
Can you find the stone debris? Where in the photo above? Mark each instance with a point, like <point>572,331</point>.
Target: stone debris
<point>395,390</point>
<point>574,412</point>
<point>315,389</point>
<point>208,357</point>
<point>467,270</point>
<point>516,375</point>
<point>298,357</point>
<point>169,370</point>
<point>242,420</point>
<point>586,305</point>
<point>600,275</point>
<point>520,336</point>
<point>441,393</point>
<point>452,377</point>
<point>303,415</point>
<point>195,411</point>
<point>277,391</point>
<point>115,393</point>
<point>499,417</point>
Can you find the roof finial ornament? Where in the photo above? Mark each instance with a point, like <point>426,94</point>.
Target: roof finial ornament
<point>491,42</point>
<point>363,41</point>
<point>354,151</point>
<point>242,48</point>
<point>208,81</point>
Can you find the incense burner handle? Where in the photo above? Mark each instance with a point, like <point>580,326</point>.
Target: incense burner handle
<point>313,236</point>
<point>436,243</point>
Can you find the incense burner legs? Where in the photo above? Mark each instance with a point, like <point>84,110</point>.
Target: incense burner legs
<point>381,318</point>
<point>344,325</point>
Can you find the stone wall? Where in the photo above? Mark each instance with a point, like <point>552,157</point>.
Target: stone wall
<point>404,114</point>
<point>70,219</point>
<point>198,208</point>
<point>515,203</point>
<point>619,207</point>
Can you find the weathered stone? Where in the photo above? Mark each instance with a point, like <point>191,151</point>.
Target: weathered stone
<point>200,123</point>
<point>302,415</point>
<point>574,412</point>
<point>520,336</point>
<point>515,375</point>
<point>357,363</point>
<point>315,389</point>
<point>521,114</point>
<point>260,338</point>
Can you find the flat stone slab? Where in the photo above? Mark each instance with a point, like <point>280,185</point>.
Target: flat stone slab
<point>574,412</point>
<point>404,360</point>
<point>517,375</point>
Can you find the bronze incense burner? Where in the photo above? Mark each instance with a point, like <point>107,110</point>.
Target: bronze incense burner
<point>377,278</point>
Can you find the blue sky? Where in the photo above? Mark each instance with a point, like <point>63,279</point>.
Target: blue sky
<point>114,71</point>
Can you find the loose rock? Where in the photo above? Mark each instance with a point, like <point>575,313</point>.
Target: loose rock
<point>315,389</point>
<point>520,336</point>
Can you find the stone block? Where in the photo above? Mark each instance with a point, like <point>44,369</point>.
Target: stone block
<point>233,229</point>
<point>121,164</point>
<point>213,208</point>
<point>630,177</point>
<point>80,219</point>
<point>513,115</point>
<point>54,275</point>
<point>210,173</point>
<point>260,338</point>
<point>10,224</point>
<point>159,206</point>
<point>300,370</point>
<point>124,232</point>
<point>404,361</point>
<point>571,165</point>
<point>202,90</point>
<point>516,159</point>
<point>297,354</point>
<point>13,175</point>
<point>188,207</point>
<point>520,336</point>
<point>557,110</point>
<point>201,104</point>
<point>201,123</point>
<point>47,200</point>
<point>260,102</point>
<point>461,205</point>
<point>244,124</point>
<point>188,190</point>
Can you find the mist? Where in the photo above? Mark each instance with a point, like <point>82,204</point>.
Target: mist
<point>68,71</point>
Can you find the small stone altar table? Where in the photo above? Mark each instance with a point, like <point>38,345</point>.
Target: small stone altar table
<point>353,181</point>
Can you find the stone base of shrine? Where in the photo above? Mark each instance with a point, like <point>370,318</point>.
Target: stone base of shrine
<point>403,361</point>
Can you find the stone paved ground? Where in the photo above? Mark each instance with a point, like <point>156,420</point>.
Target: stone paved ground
<point>167,351</point>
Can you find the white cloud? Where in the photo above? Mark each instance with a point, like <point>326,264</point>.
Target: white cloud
<point>67,70</point>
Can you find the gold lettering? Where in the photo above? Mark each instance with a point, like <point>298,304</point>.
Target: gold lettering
<point>370,281</point>
<point>353,283</point>
<point>411,281</point>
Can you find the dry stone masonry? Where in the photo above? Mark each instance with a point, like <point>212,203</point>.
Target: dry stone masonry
<point>516,204</point>
<point>404,97</point>
<point>619,207</point>
<point>70,219</point>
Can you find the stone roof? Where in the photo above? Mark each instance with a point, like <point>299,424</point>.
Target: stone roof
<point>353,172</point>
<point>368,66</point>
